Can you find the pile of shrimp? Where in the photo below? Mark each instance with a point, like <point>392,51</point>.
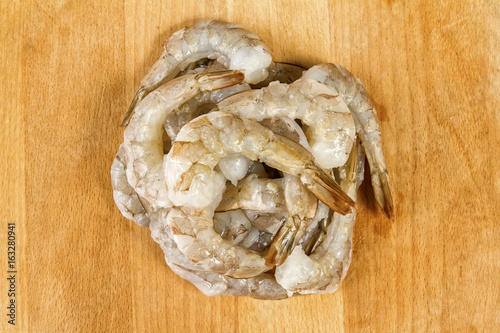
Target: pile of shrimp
<point>246,170</point>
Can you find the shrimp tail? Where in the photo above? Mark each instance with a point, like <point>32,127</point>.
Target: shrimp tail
<point>286,240</point>
<point>327,190</point>
<point>139,95</point>
<point>220,79</point>
<point>382,191</point>
<point>283,242</point>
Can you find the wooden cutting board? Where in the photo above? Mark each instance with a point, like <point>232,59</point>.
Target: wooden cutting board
<point>70,69</point>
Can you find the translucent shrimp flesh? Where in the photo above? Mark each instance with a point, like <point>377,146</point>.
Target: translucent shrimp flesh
<point>282,72</point>
<point>199,104</point>
<point>263,286</point>
<point>253,193</point>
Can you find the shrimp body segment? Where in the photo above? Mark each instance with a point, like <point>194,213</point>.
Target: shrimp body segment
<point>143,138</point>
<point>199,104</point>
<point>210,283</point>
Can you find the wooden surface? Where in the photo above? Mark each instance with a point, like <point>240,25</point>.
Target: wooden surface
<point>68,72</point>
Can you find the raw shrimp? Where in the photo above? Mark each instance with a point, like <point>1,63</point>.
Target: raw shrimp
<point>266,196</point>
<point>205,101</point>
<point>234,47</point>
<point>354,94</point>
<point>261,202</point>
<point>129,203</point>
<point>330,126</point>
<point>143,138</point>
<point>323,270</point>
<point>196,187</point>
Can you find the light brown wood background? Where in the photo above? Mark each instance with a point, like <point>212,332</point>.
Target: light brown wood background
<point>68,72</point>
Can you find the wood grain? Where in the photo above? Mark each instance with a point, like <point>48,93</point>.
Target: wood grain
<point>68,71</point>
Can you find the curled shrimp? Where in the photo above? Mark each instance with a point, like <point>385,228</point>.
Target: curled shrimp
<point>143,138</point>
<point>330,126</point>
<point>195,186</point>
<point>330,135</point>
<point>233,46</point>
<point>283,195</point>
<point>323,270</point>
<point>367,123</point>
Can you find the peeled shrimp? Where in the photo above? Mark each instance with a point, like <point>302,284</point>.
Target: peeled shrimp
<point>323,270</point>
<point>367,124</point>
<point>234,47</point>
<point>204,101</point>
<point>196,187</point>
<point>143,138</point>
<point>330,126</point>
